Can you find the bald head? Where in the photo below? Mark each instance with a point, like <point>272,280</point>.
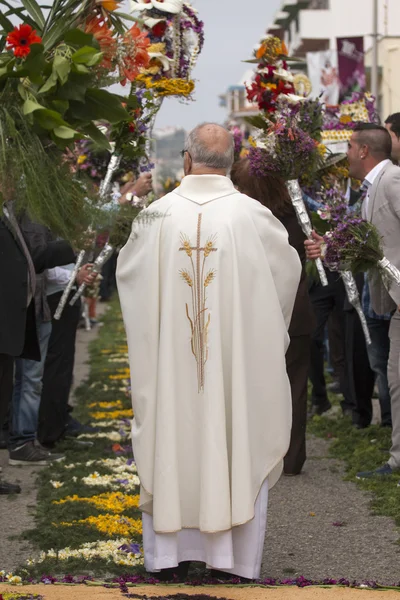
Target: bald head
<point>210,149</point>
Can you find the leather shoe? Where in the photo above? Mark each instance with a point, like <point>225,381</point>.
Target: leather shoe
<point>319,409</point>
<point>9,488</point>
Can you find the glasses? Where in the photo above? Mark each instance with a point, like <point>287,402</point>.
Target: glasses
<point>183,152</point>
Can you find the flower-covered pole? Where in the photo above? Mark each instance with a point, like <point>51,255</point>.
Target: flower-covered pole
<point>296,196</point>
<point>354,299</point>
<point>97,266</point>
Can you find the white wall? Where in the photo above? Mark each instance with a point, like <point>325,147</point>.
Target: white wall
<point>349,18</point>
<point>389,85</point>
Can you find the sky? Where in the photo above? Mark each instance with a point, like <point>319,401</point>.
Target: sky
<point>232,29</point>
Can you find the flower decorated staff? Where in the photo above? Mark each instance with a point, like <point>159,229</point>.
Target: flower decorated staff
<point>355,245</point>
<point>285,146</point>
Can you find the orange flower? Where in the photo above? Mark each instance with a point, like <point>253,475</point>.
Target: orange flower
<point>284,49</point>
<point>135,55</point>
<point>110,5</point>
<point>108,45</point>
<point>20,40</point>
<point>260,51</point>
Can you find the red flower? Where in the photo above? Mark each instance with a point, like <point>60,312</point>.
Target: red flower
<point>159,29</point>
<point>20,40</point>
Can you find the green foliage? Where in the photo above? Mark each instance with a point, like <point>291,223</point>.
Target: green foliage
<point>39,181</point>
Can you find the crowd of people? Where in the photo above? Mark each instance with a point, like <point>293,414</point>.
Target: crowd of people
<point>231,330</point>
<point>37,352</point>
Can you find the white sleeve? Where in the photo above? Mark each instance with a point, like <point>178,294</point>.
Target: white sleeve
<point>58,275</point>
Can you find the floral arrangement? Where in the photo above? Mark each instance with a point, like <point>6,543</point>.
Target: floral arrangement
<point>53,66</point>
<point>285,149</point>
<point>177,38</point>
<point>340,122</point>
<point>273,78</point>
<point>355,245</point>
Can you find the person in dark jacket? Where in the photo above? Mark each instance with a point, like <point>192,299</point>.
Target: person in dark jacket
<point>19,263</point>
<point>271,191</point>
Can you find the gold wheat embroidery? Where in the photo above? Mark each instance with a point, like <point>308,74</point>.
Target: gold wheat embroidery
<point>198,280</point>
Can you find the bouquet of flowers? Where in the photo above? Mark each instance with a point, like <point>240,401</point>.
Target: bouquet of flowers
<point>355,245</point>
<point>53,66</point>
<point>177,38</point>
<point>272,77</point>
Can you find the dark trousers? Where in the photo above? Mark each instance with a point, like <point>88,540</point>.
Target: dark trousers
<point>108,284</point>
<point>297,366</point>
<point>378,353</point>
<point>325,300</point>
<point>6,387</point>
<point>58,372</point>
<point>360,378</point>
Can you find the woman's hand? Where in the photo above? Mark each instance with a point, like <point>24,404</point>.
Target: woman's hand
<point>314,246</point>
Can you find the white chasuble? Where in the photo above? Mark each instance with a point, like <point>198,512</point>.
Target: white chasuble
<point>207,283</point>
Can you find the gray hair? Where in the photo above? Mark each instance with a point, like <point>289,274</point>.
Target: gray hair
<point>209,157</point>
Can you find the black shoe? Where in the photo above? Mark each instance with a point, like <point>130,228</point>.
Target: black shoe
<point>179,573</point>
<point>319,409</point>
<point>223,576</point>
<point>75,428</point>
<point>9,488</point>
<point>360,426</point>
<point>32,453</point>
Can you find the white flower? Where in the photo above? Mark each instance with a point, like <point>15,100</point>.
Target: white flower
<point>164,60</point>
<point>284,75</point>
<point>293,99</point>
<point>170,6</point>
<point>56,484</point>
<point>114,436</point>
<point>107,550</point>
<point>13,579</point>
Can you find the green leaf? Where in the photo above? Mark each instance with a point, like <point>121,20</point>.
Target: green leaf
<point>35,62</point>
<point>258,122</point>
<point>95,60</point>
<point>75,88</point>
<point>31,106</point>
<point>97,136</point>
<point>6,23</point>
<point>84,55</point>
<point>34,10</point>
<point>60,106</point>
<point>50,83</point>
<point>80,69</point>
<point>106,106</point>
<point>54,35</point>
<point>23,92</point>
<point>77,37</point>
<point>65,133</point>
<point>49,119</point>
<point>61,68</point>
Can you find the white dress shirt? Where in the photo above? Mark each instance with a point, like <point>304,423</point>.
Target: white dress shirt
<point>370,178</point>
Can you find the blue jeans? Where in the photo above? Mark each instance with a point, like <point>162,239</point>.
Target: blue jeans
<point>378,354</point>
<point>27,393</point>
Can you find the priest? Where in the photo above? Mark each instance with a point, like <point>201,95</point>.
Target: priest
<point>207,282</point>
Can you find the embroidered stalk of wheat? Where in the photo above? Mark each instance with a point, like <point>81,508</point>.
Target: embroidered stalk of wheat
<point>186,277</point>
<point>209,277</point>
<point>186,246</point>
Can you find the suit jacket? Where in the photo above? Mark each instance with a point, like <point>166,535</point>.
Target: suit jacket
<point>383,210</point>
<point>18,335</point>
<point>303,319</point>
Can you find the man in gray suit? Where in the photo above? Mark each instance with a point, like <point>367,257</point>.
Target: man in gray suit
<point>369,155</point>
